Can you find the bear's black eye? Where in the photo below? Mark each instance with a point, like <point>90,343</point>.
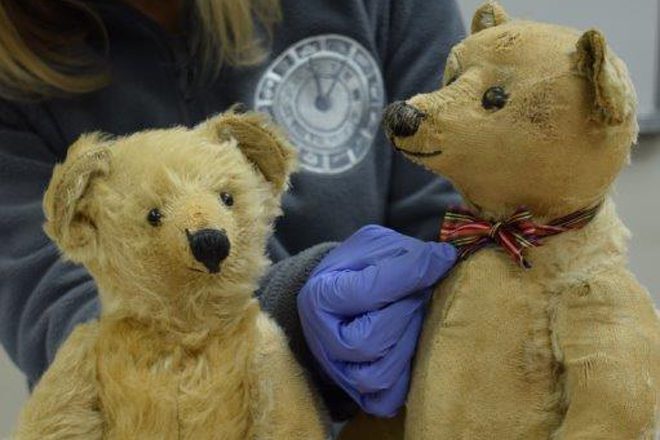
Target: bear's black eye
<point>227,199</point>
<point>495,98</point>
<point>154,217</point>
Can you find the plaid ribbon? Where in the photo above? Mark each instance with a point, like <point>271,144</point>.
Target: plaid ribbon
<point>468,233</point>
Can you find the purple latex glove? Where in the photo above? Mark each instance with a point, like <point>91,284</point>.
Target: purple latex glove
<point>362,310</point>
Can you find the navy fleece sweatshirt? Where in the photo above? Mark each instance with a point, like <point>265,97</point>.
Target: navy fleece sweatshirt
<point>332,67</point>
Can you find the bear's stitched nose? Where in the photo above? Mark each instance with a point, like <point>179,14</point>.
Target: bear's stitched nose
<point>210,247</point>
<point>402,120</point>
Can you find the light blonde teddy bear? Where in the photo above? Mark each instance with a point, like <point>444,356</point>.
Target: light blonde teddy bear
<point>530,342</point>
<point>172,224</point>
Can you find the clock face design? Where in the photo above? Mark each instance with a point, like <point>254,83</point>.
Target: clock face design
<point>327,92</point>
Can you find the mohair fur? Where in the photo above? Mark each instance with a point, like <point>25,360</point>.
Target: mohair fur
<point>569,349</point>
<point>178,352</point>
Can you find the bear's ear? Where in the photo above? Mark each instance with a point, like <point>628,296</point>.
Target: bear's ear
<point>68,220</point>
<point>614,94</point>
<point>489,15</point>
<point>259,140</point>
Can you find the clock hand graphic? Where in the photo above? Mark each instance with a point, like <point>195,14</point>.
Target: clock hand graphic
<point>336,79</point>
<point>317,79</point>
<point>322,101</point>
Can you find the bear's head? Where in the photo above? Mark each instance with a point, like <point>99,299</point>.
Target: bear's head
<point>164,215</point>
<point>529,114</point>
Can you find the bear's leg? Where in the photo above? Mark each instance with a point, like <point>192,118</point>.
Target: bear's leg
<point>284,405</point>
<point>608,339</point>
<point>64,404</point>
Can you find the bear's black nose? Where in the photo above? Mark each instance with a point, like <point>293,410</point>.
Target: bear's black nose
<point>402,120</point>
<point>210,247</point>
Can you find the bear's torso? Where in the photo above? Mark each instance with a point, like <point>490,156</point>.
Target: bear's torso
<point>173,391</point>
<point>485,358</point>
<point>508,353</point>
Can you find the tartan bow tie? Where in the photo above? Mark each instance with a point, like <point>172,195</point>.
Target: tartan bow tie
<point>468,233</point>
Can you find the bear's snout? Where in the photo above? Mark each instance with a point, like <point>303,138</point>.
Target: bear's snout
<point>210,247</point>
<point>402,120</point>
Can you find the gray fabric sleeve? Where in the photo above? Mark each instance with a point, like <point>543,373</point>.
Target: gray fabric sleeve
<point>42,297</point>
<point>277,296</point>
<point>421,34</point>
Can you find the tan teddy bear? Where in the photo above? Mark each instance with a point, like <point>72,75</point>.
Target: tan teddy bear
<point>172,224</point>
<point>522,341</point>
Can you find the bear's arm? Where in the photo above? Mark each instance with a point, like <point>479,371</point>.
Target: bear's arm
<point>285,405</point>
<point>64,404</point>
<point>607,336</point>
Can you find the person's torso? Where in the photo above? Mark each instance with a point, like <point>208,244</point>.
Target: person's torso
<point>321,82</point>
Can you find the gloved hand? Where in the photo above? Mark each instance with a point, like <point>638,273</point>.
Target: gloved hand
<point>362,308</point>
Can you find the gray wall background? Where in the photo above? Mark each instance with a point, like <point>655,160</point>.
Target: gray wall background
<point>631,30</point>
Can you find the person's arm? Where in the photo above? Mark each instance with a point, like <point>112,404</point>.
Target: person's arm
<point>421,34</point>
<point>42,297</point>
<point>418,36</point>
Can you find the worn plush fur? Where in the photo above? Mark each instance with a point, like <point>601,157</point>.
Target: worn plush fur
<point>569,349</point>
<point>178,352</point>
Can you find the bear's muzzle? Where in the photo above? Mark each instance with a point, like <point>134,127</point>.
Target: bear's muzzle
<point>402,120</point>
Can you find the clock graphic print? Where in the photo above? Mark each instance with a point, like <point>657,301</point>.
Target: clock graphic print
<point>327,92</point>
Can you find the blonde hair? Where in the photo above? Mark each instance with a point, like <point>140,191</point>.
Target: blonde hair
<point>42,44</point>
<point>228,31</point>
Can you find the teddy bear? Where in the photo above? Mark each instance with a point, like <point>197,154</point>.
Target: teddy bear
<point>540,332</point>
<point>172,224</point>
